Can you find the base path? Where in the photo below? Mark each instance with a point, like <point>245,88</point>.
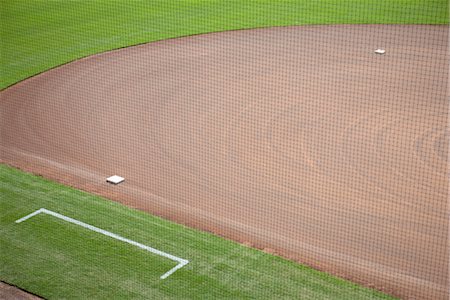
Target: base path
<point>299,140</point>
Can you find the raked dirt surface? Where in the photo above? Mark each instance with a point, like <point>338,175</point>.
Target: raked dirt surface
<point>299,140</point>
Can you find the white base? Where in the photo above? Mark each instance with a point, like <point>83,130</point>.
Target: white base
<point>115,179</point>
<point>380,51</point>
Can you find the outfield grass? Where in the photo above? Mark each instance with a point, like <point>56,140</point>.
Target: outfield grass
<point>56,259</point>
<point>38,35</point>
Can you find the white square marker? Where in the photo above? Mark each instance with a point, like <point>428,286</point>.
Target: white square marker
<point>380,51</point>
<point>115,179</point>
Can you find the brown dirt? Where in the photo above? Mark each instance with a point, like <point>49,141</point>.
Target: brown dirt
<point>9,292</point>
<point>300,140</point>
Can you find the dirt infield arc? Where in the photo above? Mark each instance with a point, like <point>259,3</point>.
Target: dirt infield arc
<point>299,140</point>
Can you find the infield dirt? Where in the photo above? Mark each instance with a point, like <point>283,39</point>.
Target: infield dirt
<point>9,292</point>
<point>298,140</point>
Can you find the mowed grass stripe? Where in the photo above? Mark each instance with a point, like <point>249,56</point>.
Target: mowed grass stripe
<point>41,34</point>
<point>56,259</point>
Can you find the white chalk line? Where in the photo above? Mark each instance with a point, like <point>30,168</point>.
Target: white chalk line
<point>181,262</point>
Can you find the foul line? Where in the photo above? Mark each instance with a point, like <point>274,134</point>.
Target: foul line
<point>181,262</point>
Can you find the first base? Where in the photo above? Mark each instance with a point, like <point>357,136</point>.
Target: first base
<point>115,179</point>
<point>380,51</point>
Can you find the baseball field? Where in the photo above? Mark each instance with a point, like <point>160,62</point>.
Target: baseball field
<point>291,140</point>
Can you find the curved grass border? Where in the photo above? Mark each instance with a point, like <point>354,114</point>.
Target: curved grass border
<point>39,35</point>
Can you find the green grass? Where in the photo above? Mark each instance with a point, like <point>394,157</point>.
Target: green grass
<point>40,34</point>
<point>57,259</point>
